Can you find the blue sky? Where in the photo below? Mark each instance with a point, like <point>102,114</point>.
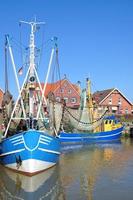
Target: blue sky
<point>95,37</point>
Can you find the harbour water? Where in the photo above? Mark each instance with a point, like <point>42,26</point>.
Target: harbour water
<point>90,172</point>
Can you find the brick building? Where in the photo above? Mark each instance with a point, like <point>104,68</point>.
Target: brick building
<point>64,89</point>
<point>116,102</point>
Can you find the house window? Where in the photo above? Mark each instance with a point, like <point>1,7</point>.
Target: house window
<point>126,111</point>
<point>113,111</point>
<point>73,100</point>
<point>61,90</point>
<point>58,99</point>
<point>69,91</point>
<point>65,84</point>
<point>119,101</point>
<point>66,99</point>
<point>110,100</point>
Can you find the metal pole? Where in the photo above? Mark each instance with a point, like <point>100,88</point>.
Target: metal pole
<point>16,77</point>
<point>46,80</point>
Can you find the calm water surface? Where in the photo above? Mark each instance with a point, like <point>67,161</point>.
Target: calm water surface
<point>90,172</point>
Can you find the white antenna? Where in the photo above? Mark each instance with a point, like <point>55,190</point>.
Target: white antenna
<point>32,46</point>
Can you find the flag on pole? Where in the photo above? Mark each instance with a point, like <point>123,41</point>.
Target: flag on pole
<point>20,71</point>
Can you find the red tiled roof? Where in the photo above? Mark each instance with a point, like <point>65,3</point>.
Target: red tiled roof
<point>75,87</point>
<point>100,95</point>
<point>51,87</point>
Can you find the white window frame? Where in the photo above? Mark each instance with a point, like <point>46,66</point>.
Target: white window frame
<point>73,100</point>
<point>126,111</point>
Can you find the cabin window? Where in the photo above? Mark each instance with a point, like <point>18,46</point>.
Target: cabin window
<point>73,100</point>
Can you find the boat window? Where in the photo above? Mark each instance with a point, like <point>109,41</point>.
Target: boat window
<point>110,121</point>
<point>106,122</point>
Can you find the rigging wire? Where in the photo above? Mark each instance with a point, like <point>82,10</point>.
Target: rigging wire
<point>41,48</point>
<point>58,68</point>
<point>21,49</point>
<point>6,66</point>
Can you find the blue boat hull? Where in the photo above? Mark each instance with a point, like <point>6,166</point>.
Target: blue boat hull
<point>90,137</point>
<point>30,152</point>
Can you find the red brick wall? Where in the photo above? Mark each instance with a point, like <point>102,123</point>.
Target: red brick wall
<point>121,108</point>
<point>68,91</point>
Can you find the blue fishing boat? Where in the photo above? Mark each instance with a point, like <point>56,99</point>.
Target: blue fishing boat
<point>29,147</point>
<point>89,126</point>
<point>90,137</point>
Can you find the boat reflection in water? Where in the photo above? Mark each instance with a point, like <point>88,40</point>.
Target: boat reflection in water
<point>97,171</point>
<point>15,186</point>
<point>65,148</point>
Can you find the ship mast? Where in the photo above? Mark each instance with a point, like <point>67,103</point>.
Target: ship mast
<point>89,98</point>
<point>32,64</point>
<point>30,79</point>
<point>6,76</point>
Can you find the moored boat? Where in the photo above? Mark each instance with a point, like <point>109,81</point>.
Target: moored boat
<point>89,126</point>
<point>29,147</point>
<point>90,137</point>
<point>30,152</point>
